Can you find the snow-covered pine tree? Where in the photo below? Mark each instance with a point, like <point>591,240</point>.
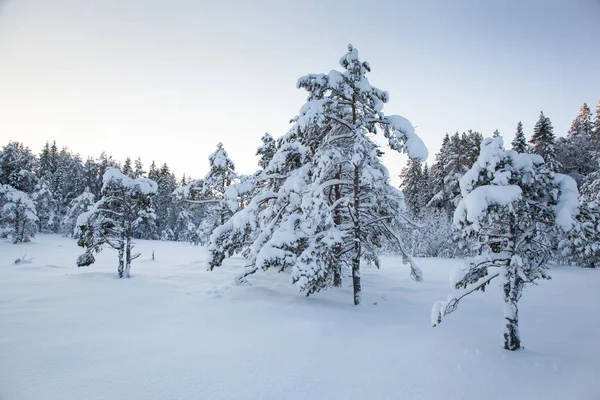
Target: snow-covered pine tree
<point>457,154</point>
<point>543,142</point>
<point>78,206</point>
<point>496,133</point>
<point>162,203</point>
<point>17,166</point>
<point>266,151</point>
<point>582,124</point>
<point>581,246</point>
<point>326,198</point>
<point>575,153</point>
<point>220,176</point>
<point>112,220</point>
<point>511,205</point>
<point>519,143</point>
<point>17,214</point>
<point>46,207</point>
<point>412,186</point>
<point>139,169</point>
<point>127,168</point>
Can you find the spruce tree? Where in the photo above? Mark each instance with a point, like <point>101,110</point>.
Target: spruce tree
<point>412,186</point>
<point>496,133</point>
<point>127,168</point>
<point>519,143</point>
<point>139,169</point>
<point>266,151</point>
<point>543,141</point>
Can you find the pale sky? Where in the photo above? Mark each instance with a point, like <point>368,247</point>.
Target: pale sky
<point>167,80</point>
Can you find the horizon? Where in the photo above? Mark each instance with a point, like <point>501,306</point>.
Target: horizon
<point>167,82</point>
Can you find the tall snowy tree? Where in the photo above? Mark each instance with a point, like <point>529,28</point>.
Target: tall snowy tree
<point>17,214</point>
<point>113,219</point>
<point>326,200</point>
<point>511,204</point>
<point>412,186</point>
<point>582,124</point>
<point>218,179</point>
<point>519,143</point>
<point>162,203</point>
<point>543,142</point>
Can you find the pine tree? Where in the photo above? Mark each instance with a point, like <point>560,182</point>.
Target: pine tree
<point>412,186</point>
<point>113,219</point>
<point>266,151</point>
<point>17,214</point>
<point>17,166</point>
<point>519,143</point>
<point>127,168</point>
<point>162,204</point>
<point>496,133</point>
<point>139,169</point>
<point>78,206</point>
<point>543,142</point>
<point>325,199</point>
<point>582,124</point>
<point>512,203</point>
<point>218,179</point>
<point>456,156</point>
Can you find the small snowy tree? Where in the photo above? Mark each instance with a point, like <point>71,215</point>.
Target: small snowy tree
<point>78,206</point>
<point>17,214</point>
<point>113,218</point>
<point>519,143</point>
<point>543,142</point>
<point>511,205</point>
<point>266,151</point>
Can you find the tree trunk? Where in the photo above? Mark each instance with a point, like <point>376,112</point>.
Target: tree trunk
<point>127,256</point>
<point>337,220</point>
<point>357,243</point>
<point>121,257</point>
<point>512,293</point>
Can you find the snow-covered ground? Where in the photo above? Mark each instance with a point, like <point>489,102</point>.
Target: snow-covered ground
<point>175,331</point>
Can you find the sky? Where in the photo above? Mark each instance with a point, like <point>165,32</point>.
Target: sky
<point>168,80</point>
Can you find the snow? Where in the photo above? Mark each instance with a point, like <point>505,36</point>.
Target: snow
<point>176,331</point>
<point>476,203</point>
<point>415,147</point>
<point>144,185</point>
<point>568,202</point>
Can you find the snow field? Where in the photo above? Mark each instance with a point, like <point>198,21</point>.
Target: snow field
<point>176,331</point>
